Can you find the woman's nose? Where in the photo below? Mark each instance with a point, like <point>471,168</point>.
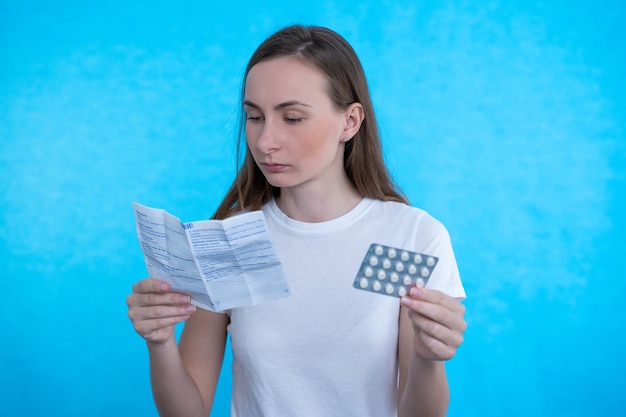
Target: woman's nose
<point>267,142</point>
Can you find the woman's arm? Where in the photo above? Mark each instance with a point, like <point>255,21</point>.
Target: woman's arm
<point>431,327</point>
<point>183,377</point>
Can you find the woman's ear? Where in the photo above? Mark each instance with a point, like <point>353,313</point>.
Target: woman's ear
<point>354,117</point>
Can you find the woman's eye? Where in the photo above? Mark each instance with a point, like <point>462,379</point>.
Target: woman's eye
<point>293,119</point>
<point>254,118</point>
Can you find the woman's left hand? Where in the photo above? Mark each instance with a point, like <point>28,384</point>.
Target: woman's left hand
<point>438,323</point>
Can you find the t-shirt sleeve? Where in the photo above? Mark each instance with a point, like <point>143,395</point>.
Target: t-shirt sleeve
<point>433,239</point>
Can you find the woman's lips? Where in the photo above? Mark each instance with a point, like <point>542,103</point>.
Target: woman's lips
<point>274,168</point>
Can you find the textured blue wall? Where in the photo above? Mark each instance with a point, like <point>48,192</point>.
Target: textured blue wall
<point>504,119</point>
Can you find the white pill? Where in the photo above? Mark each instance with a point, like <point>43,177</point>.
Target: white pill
<point>399,266</point>
<point>373,260</point>
<point>417,258</point>
<point>401,291</point>
<point>363,282</point>
<point>378,250</point>
<point>425,272</point>
<point>412,269</point>
<point>368,272</point>
<point>389,288</point>
<point>430,261</point>
<point>386,263</point>
<point>381,275</point>
<point>391,253</point>
<point>419,282</point>
<point>394,277</point>
<point>407,280</point>
<point>376,286</point>
<point>404,256</point>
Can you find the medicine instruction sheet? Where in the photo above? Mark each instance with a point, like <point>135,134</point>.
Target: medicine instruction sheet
<point>221,264</point>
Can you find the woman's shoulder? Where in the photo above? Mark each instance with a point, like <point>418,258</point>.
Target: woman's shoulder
<point>390,207</point>
<point>404,212</point>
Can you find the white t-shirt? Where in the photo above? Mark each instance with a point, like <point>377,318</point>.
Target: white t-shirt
<point>330,349</point>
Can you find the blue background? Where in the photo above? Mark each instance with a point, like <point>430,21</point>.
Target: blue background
<point>504,119</point>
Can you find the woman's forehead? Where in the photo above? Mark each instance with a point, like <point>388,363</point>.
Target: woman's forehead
<point>284,79</point>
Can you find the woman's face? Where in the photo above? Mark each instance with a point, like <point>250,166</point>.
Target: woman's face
<point>292,128</point>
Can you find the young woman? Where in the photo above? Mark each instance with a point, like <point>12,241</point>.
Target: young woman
<point>314,166</point>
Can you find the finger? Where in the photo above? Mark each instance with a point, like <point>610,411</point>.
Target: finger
<point>436,313</point>
<point>435,348</point>
<point>146,328</point>
<point>436,305</point>
<point>436,297</point>
<point>168,298</point>
<point>150,285</point>
<point>447,336</point>
<point>138,300</point>
<point>160,311</point>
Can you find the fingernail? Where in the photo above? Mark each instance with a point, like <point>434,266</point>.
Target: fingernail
<point>405,301</point>
<point>415,292</point>
<point>191,308</point>
<point>185,299</point>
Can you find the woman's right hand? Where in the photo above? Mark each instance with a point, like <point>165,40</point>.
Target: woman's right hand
<point>154,310</point>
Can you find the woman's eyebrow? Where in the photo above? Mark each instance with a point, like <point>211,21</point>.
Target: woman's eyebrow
<point>280,106</point>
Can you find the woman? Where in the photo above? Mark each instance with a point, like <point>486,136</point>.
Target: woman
<point>314,167</point>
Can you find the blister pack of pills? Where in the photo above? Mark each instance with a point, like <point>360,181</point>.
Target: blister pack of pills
<point>393,271</point>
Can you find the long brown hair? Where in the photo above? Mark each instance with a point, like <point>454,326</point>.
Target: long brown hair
<point>363,158</point>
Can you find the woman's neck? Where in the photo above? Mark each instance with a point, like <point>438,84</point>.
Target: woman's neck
<point>313,204</point>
